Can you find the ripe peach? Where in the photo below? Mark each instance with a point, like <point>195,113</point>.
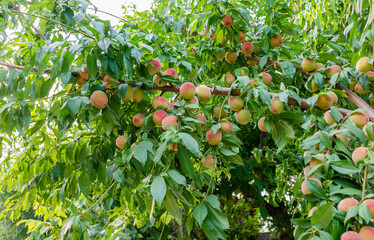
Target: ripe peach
<point>171,72</point>
<point>221,53</point>
<point>219,113</point>
<point>276,106</point>
<point>156,80</point>
<point>106,80</point>
<point>334,97</point>
<point>203,92</point>
<point>138,120</point>
<point>308,64</point>
<point>231,57</point>
<point>213,139</point>
<point>312,211</point>
<point>350,235</point>
<point>371,76</point>
<point>187,91</point>
<point>304,188</point>
<point>266,78</point>
<point>317,144</point>
<point>252,83</point>
<point>80,81</point>
<point>363,65</point>
<point>209,160</point>
<point>359,154</point>
<point>194,100</point>
<point>138,95</point>
<point>360,119</point>
<point>324,101</point>
<point>343,138</point>
<point>243,116</point>
<point>319,67</point>
<point>227,21</point>
<point>367,233</point>
<point>261,124</point>
<point>171,106</point>
<point>247,48</point>
<point>241,37</point>
<point>230,79</point>
<point>313,88</point>
<point>346,203</point>
<point>154,66</point>
<point>306,171</point>
<point>202,119</point>
<point>332,70</point>
<point>85,75</point>
<point>120,141</point>
<point>158,116</point>
<point>366,128</point>
<point>329,119</point>
<point>315,161</point>
<point>370,204</point>
<point>159,103</point>
<point>236,103</point>
<point>226,126</point>
<point>129,94</point>
<point>169,121</point>
<point>276,40</point>
<point>360,90</point>
<point>99,99</point>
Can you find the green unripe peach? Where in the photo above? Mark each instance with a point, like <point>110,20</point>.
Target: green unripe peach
<point>360,119</point>
<point>138,95</point>
<point>231,57</point>
<point>313,87</point>
<point>243,116</point>
<point>236,103</point>
<point>319,67</point>
<point>360,90</point>
<point>276,106</point>
<point>129,94</point>
<point>363,65</point>
<point>219,113</point>
<point>203,92</point>
<point>324,101</point>
<point>308,64</point>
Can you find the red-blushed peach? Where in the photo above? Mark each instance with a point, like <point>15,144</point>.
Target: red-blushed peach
<point>342,137</point>
<point>243,117</point>
<point>252,84</point>
<point>154,66</point>
<point>360,90</point>
<point>313,87</point>
<point>276,106</point>
<point>247,48</point>
<point>204,32</point>
<point>85,75</point>
<point>367,233</point>
<point>219,112</point>
<point>120,141</point>
<point>171,72</point>
<point>236,103</point>
<point>159,103</point>
<point>334,97</point>
<point>213,36</point>
<point>129,94</point>
<point>80,81</point>
<point>346,203</point>
<point>187,91</point>
<point>276,40</point>
<point>324,101</point>
<point>359,118</point>
<point>106,80</point>
<point>227,21</point>
<point>226,126</point>
<point>304,188</point>
<point>241,37</point>
<point>230,79</point>
<point>99,99</point>
<point>173,147</point>
<point>352,85</point>
<point>157,79</point>
<point>371,76</point>
<point>138,95</point>
<point>138,120</point>
<point>359,154</point>
<point>169,121</point>
<point>329,119</point>
<point>221,53</point>
<point>171,106</point>
<point>350,235</point>
<point>332,70</point>
<point>308,64</point>
<point>231,57</point>
<point>158,116</point>
<point>312,211</point>
<point>203,92</point>
<point>319,67</point>
<point>261,124</point>
<point>363,65</point>
<point>314,161</point>
<point>366,128</point>
<point>370,204</point>
<point>213,138</point>
<point>195,101</point>
<point>306,172</point>
<point>202,119</point>
<point>209,160</point>
<point>266,78</point>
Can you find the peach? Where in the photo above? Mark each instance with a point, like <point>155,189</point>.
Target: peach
<point>306,171</point>
<point>187,91</point>
<point>316,134</point>
<point>315,161</point>
<point>329,119</point>
<point>359,118</point>
<point>231,57</point>
<point>324,101</point>
<point>236,103</point>
<point>213,139</point>
<point>360,90</point>
<point>120,141</point>
<point>138,120</point>
<point>159,103</point>
<point>171,106</point>
<point>367,233</point>
<point>319,67</point>
<point>350,235</point>
<point>352,85</point>
<point>251,62</point>
<point>129,94</point>
<point>203,92</point>
<point>346,203</point>
<point>204,32</point>
<point>99,99</point>
<point>194,100</point>
<point>266,78</point>
<point>173,147</point>
<point>221,53</point>
<point>244,72</point>
<point>313,87</point>
<point>366,128</point>
<point>154,66</point>
<point>370,204</point>
<point>213,36</point>
<point>243,116</point>
<point>252,83</point>
<point>247,48</point>
<point>261,124</point>
<point>171,72</point>
<point>169,121</point>
<point>157,79</point>
<point>85,75</point>
<point>202,119</point>
<point>227,21</point>
<point>106,80</point>
<point>371,76</point>
<point>223,40</point>
<point>359,154</point>
<point>209,160</point>
<point>138,95</point>
<point>304,188</point>
<point>343,138</point>
<point>230,79</point>
<point>334,97</point>
<point>219,113</point>
<point>308,64</point>
<point>158,116</point>
<point>193,52</point>
<point>363,65</point>
<point>276,40</point>
<point>226,126</point>
<point>312,211</point>
<point>276,106</point>
<point>241,37</point>
<point>332,70</point>
<point>80,81</point>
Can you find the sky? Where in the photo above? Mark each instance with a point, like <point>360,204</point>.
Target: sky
<point>115,7</point>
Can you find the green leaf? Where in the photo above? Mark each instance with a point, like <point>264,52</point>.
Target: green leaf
<point>73,105</point>
<point>347,191</point>
<point>104,44</point>
<point>118,176</point>
<point>185,161</point>
<point>352,212</point>
<point>172,207</point>
<point>213,201</point>
<point>160,151</point>
<point>263,61</point>
<point>364,212</point>
<point>191,143</point>
<point>344,167</point>
<point>322,217</point>
<point>177,177</point>
<point>200,213</point>
<point>158,189</point>
<point>288,69</point>
<point>315,188</point>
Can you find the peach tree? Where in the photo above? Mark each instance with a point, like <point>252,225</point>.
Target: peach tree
<point>148,129</point>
